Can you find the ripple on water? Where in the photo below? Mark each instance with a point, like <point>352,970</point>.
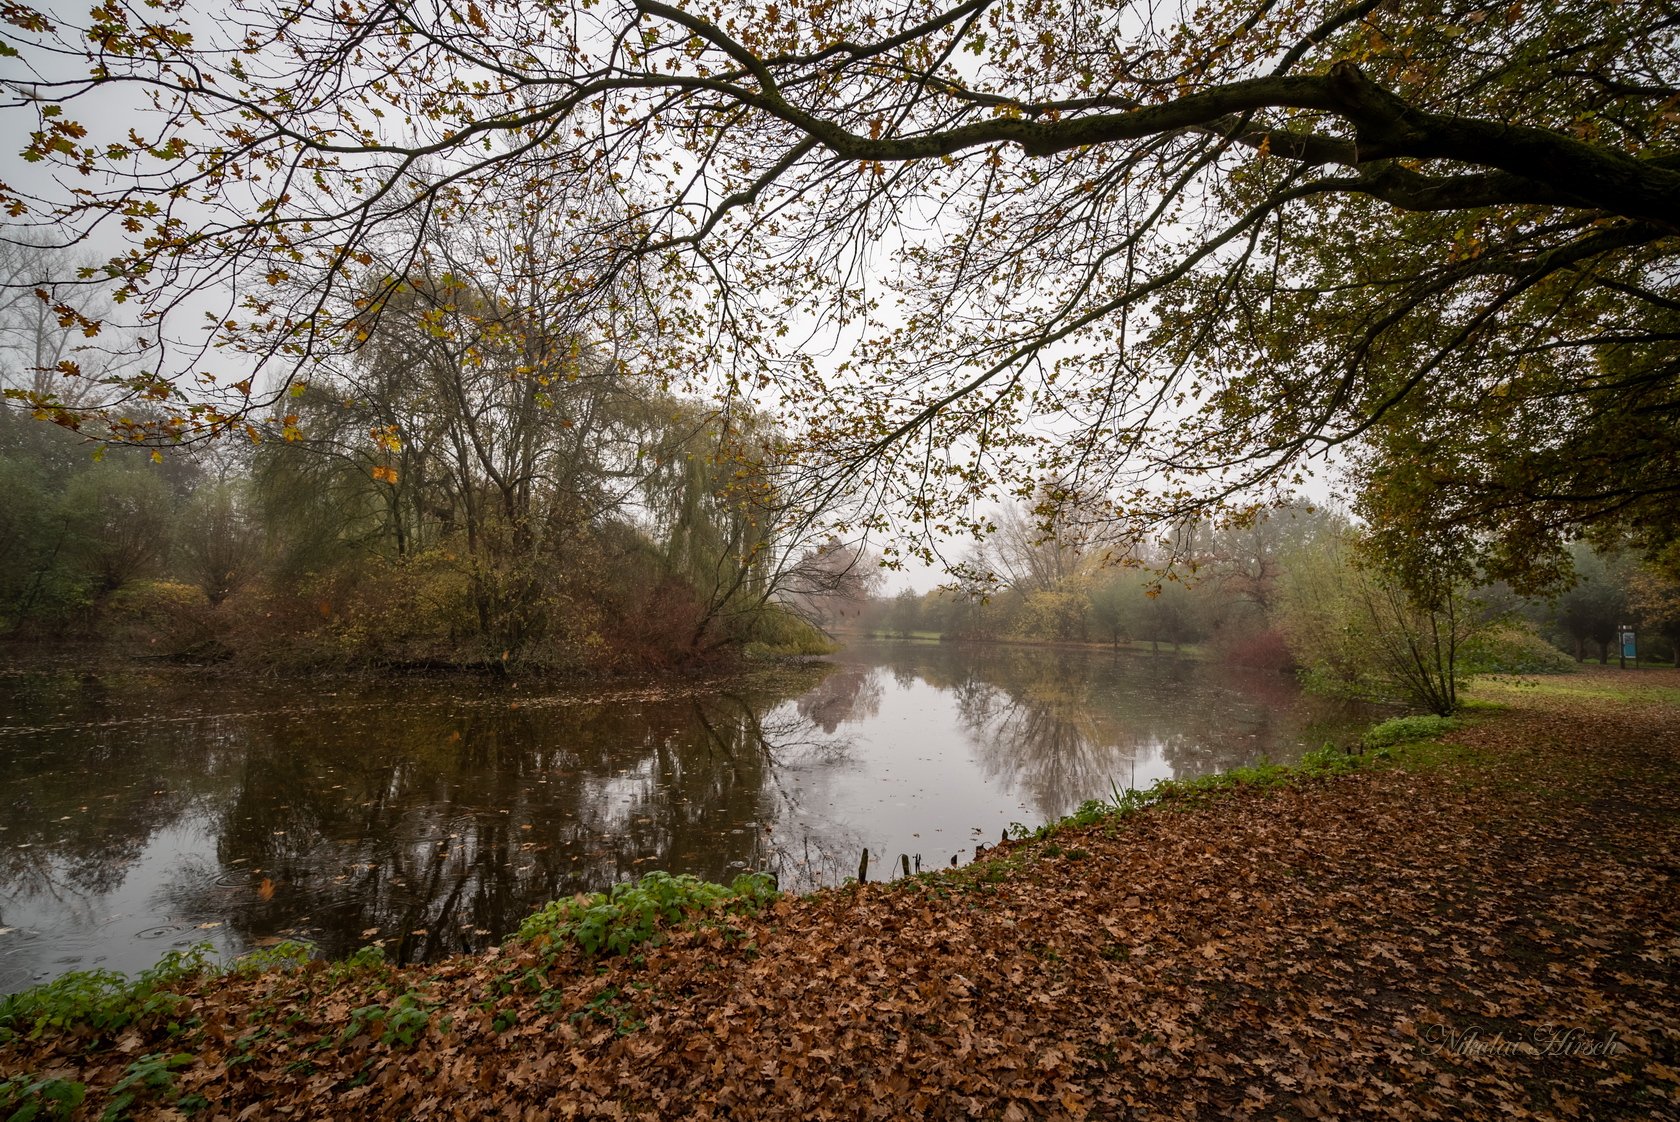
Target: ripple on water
<point>164,930</point>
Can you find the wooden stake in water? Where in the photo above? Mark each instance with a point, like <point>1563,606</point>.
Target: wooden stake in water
<point>863,867</point>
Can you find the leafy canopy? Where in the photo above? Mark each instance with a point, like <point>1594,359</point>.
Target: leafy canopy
<point>1146,258</point>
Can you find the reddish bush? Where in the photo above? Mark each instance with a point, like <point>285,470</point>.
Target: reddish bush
<point>1262,650</point>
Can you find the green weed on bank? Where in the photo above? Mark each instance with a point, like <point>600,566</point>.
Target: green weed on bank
<point>630,914</point>
<point>1412,741</point>
<point>99,1003</point>
<point>1406,730</point>
<point>101,1000</point>
<point>1321,763</point>
<point>24,1098</point>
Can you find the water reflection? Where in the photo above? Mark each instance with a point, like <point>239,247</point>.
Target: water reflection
<point>1061,726</point>
<point>139,812</point>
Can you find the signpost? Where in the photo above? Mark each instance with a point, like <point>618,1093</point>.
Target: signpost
<point>1628,648</point>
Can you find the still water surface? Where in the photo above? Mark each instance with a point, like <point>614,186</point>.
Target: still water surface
<point>145,811</point>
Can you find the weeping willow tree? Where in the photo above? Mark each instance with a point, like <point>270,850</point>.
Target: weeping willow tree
<point>725,525</point>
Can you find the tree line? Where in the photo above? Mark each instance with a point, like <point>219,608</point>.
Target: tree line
<point>482,481</point>
<point>1293,588</point>
<point>1173,258</point>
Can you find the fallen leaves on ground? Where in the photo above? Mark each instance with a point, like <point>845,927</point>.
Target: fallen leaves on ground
<point>1494,936</point>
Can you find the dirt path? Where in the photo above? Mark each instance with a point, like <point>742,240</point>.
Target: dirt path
<point>1492,930</point>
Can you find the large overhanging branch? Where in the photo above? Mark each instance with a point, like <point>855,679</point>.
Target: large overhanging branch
<point>1531,164</point>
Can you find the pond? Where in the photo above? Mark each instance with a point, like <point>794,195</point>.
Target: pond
<point>147,810</point>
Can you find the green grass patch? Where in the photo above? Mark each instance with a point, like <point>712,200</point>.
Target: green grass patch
<point>1423,755</point>
<point>1480,705</point>
<point>1596,683</point>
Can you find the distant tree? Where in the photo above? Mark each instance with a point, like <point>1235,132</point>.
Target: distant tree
<point>1242,560</point>
<point>1596,604</point>
<point>1060,614</point>
<point>219,541</point>
<point>121,519</point>
<point>1115,598</point>
<point>1168,614</point>
<point>1654,596</point>
<point>904,614</point>
<point>829,583</point>
<point>45,357</point>
<point>35,577</point>
<point>1040,547</point>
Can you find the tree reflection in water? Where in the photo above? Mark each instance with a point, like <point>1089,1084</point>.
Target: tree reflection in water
<point>468,821</point>
<point>431,825</point>
<point>1061,726</point>
<point>151,811</point>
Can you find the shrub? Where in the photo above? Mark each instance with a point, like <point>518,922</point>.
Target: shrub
<point>779,632</point>
<point>403,1022</point>
<point>167,616</point>
<point>1266,649</point>
<point>1358,632</point>
<point>288,954</point>
<point>1052,614</point>
<point>152,1072</point>
<point>1515,649</point>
